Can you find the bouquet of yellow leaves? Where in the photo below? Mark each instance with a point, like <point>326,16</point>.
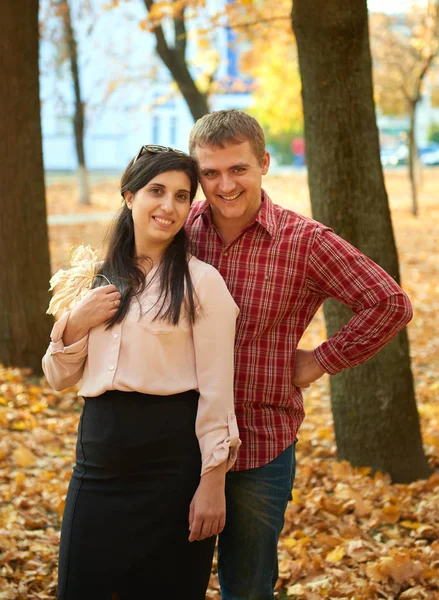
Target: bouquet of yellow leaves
<point>72,284</point>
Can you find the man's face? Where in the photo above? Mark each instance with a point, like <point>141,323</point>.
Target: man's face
<point>231,179</point>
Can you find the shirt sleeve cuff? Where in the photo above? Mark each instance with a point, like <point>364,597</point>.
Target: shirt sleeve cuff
<point>225,450</point>
<point>57,345</point>
<point>329,359</point>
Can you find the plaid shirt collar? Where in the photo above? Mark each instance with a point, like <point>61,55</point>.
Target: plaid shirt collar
<point>266,216</point>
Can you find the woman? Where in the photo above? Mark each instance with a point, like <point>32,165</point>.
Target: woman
<point>154,351</point>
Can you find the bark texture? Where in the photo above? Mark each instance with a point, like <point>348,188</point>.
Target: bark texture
<point>375,414</point>
<point>24,251</point>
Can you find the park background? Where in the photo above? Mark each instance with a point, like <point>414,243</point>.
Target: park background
<point>352,530</point>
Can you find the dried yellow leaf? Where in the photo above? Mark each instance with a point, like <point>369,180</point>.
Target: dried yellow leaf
<point>19,425</point>
<point>335,555</point>
<point>37,407</point>
<point>20,479</point>
<point>411,524</point>
<point>71,285</point>
<point>390,514</point>
<point>24,457</point>
<point>297,498</point>
<point>296,590</point>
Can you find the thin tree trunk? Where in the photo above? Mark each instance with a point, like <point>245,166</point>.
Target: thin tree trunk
<point>375,415</point>
<point>24,251</point>
<point>414,166</point>
<point>429,54</point>
<point>84,189</point>
<point>78,120</point>
<point>174,58</point>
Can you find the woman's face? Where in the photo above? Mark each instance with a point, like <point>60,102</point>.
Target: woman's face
<point>159,209</point>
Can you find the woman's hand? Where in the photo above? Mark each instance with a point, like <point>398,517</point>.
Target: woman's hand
<point>207,512</point>
<point>96,307</point>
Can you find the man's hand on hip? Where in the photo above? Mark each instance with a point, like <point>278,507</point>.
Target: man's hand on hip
<point>306,369</point>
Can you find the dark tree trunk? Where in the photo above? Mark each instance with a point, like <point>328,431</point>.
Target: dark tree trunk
<point>78,119</point>
<point>24,251</point>
<point>375,415</point>
<point>174,58</point>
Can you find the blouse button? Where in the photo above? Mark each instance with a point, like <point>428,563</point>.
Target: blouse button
<point>115,335</point>
<point>111,367</point>
<point>225,254</point>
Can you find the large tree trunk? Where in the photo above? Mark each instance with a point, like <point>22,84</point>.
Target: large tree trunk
<point>24,251</point>
<point>78,120</point>
<point>375,415</point>
<point>174,57</point>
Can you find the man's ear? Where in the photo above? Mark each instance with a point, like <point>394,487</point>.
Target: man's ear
<point>265,162</point>
<point>128,197</point>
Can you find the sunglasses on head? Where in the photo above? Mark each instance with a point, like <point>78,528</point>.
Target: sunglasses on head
<point>154,149</point>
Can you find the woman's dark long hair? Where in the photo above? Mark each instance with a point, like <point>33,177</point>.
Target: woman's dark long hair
<point>122,267</point>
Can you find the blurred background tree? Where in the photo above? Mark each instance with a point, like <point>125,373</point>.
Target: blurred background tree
<point>405,50</point>
<point>433,134</point>
<point>272,63</point>
<point>60,31</point>
<point>172,50</point>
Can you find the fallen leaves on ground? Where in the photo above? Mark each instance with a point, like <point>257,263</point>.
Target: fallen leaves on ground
<point>348,534</point>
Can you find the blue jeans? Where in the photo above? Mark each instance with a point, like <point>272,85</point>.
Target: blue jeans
<point>247,548</point>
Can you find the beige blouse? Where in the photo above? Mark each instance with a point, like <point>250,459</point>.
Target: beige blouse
<point>159,358</point>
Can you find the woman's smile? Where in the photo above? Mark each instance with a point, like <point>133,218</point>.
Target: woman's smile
<point>159,211</point>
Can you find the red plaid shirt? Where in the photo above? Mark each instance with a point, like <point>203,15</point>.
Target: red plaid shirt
<point>279,270</point>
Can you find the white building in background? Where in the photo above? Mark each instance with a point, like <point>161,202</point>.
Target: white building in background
<point>130,98</point>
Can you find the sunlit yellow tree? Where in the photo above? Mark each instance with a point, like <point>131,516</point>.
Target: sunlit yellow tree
<point>186,33</point>
<point>272,63</point>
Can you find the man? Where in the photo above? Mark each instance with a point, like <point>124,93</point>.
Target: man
<point>279,267</point>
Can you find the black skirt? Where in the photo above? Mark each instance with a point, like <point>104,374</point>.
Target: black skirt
<point>125,526</point>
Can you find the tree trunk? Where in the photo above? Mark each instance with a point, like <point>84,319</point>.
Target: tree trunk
<point>78,120</point>
<point>174,58</point>
<point>414,166</point>
<point>375,415</point>
<point>84,189</point>
<point>24,251</point>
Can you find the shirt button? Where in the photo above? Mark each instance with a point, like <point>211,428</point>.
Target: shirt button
<point>225,254</point>
<point>232,417</point>
<point>115,335</point>
<point>111,367</point>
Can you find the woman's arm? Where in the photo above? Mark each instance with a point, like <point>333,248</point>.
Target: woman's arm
<point>63,363</point>
<point>217,432</point>
<point>207,512</point>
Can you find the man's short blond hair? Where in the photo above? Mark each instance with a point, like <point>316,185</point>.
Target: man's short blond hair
<point>227,126</point>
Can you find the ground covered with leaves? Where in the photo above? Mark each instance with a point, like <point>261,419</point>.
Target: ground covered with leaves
<point>348,534</point>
